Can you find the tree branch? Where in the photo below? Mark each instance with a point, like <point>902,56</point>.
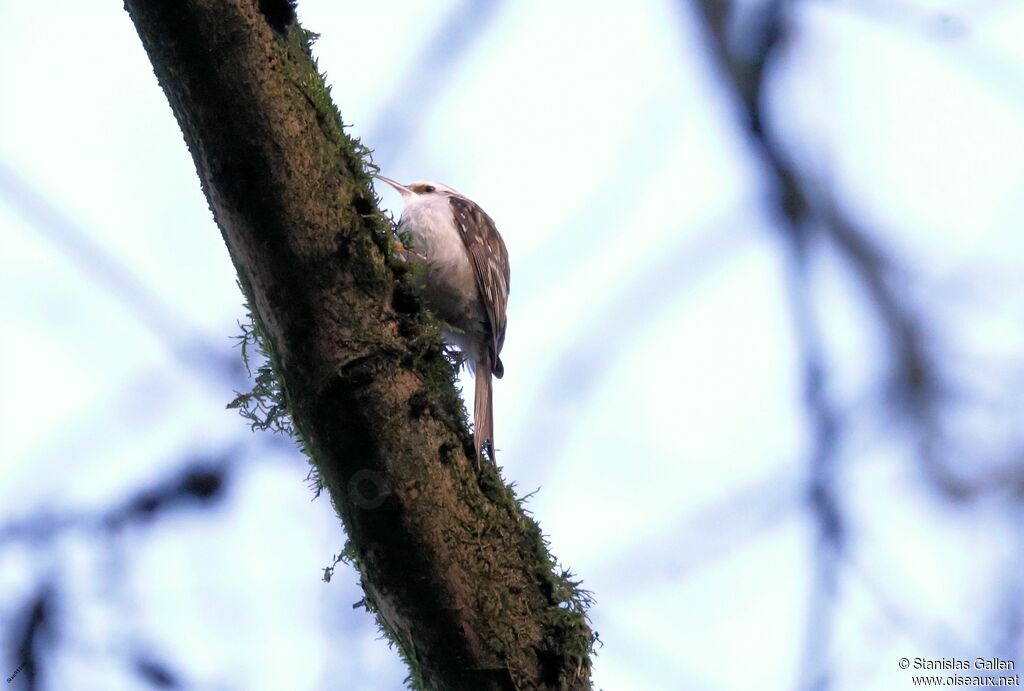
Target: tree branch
<point>458,575</point>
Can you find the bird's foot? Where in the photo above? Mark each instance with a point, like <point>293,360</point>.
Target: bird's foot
<point>405,252</point>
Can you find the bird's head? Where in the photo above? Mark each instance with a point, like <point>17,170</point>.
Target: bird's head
<point>418,190</point>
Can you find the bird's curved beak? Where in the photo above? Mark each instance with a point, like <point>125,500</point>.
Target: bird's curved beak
<point>402,189</point>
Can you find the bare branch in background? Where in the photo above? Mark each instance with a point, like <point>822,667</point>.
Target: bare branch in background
<point>704,536</point>
<point>189,346</point>
<point>586,358</point>
<point>915,392</point>
<point>464,26</point>
<point>201,481</point>
<point>745,69</point>
<point>31,638</point>
<point>1010,607</point>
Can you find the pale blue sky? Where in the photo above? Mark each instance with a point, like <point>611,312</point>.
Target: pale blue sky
<point>653,387</point>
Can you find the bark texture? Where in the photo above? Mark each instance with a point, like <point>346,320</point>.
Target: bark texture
<point>459,576</point>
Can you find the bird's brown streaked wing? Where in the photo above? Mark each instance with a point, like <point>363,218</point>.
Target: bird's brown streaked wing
<point>490,263</point>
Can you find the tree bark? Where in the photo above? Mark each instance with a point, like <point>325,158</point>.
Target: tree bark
<point>459,576</point>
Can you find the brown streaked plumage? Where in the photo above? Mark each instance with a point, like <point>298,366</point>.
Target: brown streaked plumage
<point>465,282</point>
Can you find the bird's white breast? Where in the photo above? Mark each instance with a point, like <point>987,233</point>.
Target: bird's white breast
<point>430,224</point>
<point>449,284</point>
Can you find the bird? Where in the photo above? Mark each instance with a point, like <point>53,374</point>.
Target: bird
<point>465,283</point>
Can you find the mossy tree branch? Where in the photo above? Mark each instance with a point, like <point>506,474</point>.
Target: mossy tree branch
<point>458,575</point>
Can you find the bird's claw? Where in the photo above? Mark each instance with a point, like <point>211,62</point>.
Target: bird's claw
<point>404,252</point>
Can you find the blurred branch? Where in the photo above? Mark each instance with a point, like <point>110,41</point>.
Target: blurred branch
<point>31,637</point>
<point>823,495</point>
<point>141,406</point>
<point>155,672</point>
<point>745,73</point>
<point>707,534</point>
<point>924,627</point>
<point>430,71</point>
<point>458,575</point>
<point>916,392</point>
<point>201,481</point>
<point>607,206</point>
<point>186,341</point>
<point>591,353</point>
<point>1009,625</point>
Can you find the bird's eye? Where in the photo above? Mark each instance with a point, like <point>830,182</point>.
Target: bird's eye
<point>429,188</point>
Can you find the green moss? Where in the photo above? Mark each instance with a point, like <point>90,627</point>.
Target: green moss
<point>405,647</point>
<point>346,556</point>
<point>313,83</point>
<point>268,406</point>
<point>356,159</point>
<point>565,621</point>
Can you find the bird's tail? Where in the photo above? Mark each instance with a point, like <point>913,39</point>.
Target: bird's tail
<point>483,411</point>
